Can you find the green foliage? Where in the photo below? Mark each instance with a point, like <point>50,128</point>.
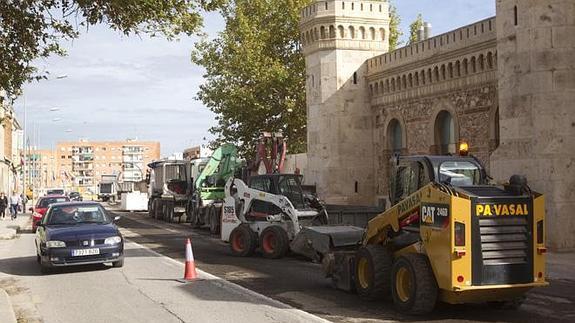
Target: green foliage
<point>255,74</point>
<point>394,32</point>
<point>414,27</point>
<point>32,29</point>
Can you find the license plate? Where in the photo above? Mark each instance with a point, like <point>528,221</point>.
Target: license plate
<point>85,252</point>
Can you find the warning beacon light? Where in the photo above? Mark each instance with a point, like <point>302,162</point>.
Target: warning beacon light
<point>463,148</point>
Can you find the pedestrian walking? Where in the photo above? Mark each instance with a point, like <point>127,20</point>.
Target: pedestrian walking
<point>3,205</point>
<point>15,202</point>
<point>24,199</point>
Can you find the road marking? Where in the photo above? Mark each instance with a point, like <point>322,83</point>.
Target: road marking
<point>238,289</point>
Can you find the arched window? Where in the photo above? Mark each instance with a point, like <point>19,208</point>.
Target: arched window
<point>429,76</point>
<point>457,69</point>
<point>376,88</point>
<point>404,82</point>
<point>322,32</point>
<point>381,86</point>
<point>387,85</point>
<point>331,31</point>
<point>481,62</point>
<point>473,66</point>
<point>395,136</point>
<point>382,33</point>
<point>450,70</point>
<point>372,33</point>
<point>445,133</point>
<point>351,32</point>
<point>393,84</point>
<point>361,32</point>
<point>443,77</point>
<point>465,67</point>
<point>341,31</point>
<point>422,77</point>
<point>436,74</point>
<point>410,80</point>
<point>416,81</point>
<point>489,60</point>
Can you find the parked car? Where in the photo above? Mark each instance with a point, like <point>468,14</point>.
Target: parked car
<point>75,196</point>
<point>55,191</point>
<point>78,233</point>
<point>39,210</point>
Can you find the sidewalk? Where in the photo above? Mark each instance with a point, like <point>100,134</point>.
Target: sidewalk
<point>9,228</point>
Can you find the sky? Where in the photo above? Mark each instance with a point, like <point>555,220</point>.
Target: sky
<point>119,87</point>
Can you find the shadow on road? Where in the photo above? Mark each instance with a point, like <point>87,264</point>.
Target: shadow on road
<point>27,266</point>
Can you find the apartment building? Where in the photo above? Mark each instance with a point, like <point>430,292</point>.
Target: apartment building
<point>82,163</point>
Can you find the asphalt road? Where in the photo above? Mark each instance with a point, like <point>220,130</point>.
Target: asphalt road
<point>144,290</point>
<point>298,282</point>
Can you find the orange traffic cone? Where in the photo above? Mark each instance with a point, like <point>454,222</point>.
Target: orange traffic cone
<point>190,271</point>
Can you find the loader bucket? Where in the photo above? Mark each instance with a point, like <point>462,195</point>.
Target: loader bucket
<point>315,242</point>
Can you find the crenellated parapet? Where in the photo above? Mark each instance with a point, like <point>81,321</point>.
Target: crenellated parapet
<point>357,25</point>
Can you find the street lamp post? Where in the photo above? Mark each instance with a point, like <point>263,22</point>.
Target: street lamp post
<point>25,136</point>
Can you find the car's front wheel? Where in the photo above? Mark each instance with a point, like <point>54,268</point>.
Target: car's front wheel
<point>118,264</point>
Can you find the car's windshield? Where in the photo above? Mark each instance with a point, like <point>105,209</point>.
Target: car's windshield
<point>45,202</point>
<point>459,173</point>
<point>290,187</point>
<point>76,214</point>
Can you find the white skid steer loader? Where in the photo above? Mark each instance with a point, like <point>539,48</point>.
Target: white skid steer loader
<point>268,213</point>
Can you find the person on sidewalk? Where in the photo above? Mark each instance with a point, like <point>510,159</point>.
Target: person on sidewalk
<point>15,201</point>
<point>3,205</point>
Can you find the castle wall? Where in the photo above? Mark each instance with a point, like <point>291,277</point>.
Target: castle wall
<point>536,80</point>
<point>453,72</point>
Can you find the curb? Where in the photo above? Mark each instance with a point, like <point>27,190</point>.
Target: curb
<point>7,314</point>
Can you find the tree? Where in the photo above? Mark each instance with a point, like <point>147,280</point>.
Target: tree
<point>34,29</point>
<point>394,32</point>
<point>414,28</point>
<point>255,74</point>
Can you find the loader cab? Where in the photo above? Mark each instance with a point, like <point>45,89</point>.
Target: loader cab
<point>410,173</point>
<point>288,185</point>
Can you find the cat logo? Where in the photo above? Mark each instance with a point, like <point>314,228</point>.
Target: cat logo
<point>501,209</point>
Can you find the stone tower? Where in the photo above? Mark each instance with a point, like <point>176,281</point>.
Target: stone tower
<point>536,76</point>
<point>338,38</point>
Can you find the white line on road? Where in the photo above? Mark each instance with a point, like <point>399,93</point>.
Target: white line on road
<point>239,289</point>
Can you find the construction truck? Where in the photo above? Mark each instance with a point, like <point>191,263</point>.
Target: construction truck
<point>449,236</point>
<point>203,207</point>
<point>169,189</point>
<point>107,188</point>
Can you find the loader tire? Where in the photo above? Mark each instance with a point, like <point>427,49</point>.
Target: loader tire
<point>214,220</point>
<point>373,272</point>
<point>159,210</point>
<point>414,288</point>
<point>151,208</point>
<point>274,242</point>
<point>243,241</point>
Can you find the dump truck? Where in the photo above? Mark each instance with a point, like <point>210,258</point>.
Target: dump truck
<point>449,236</point>
<point>204,205</point>
<point>170,186</point>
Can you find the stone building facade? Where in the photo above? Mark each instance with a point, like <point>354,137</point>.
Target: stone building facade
<point>506,85</point>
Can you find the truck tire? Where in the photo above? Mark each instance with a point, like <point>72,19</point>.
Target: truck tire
<point>151,208</point>
<point>373,265</point>
<point>214,218</point>
<point>274,242</point>
<point>169,214</point>
<point>243,241</point>
<point>414,288</point>
<point>194,218</point>
<point>158,207</point>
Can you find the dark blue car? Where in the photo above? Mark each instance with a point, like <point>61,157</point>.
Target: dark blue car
<point>78,233</point>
